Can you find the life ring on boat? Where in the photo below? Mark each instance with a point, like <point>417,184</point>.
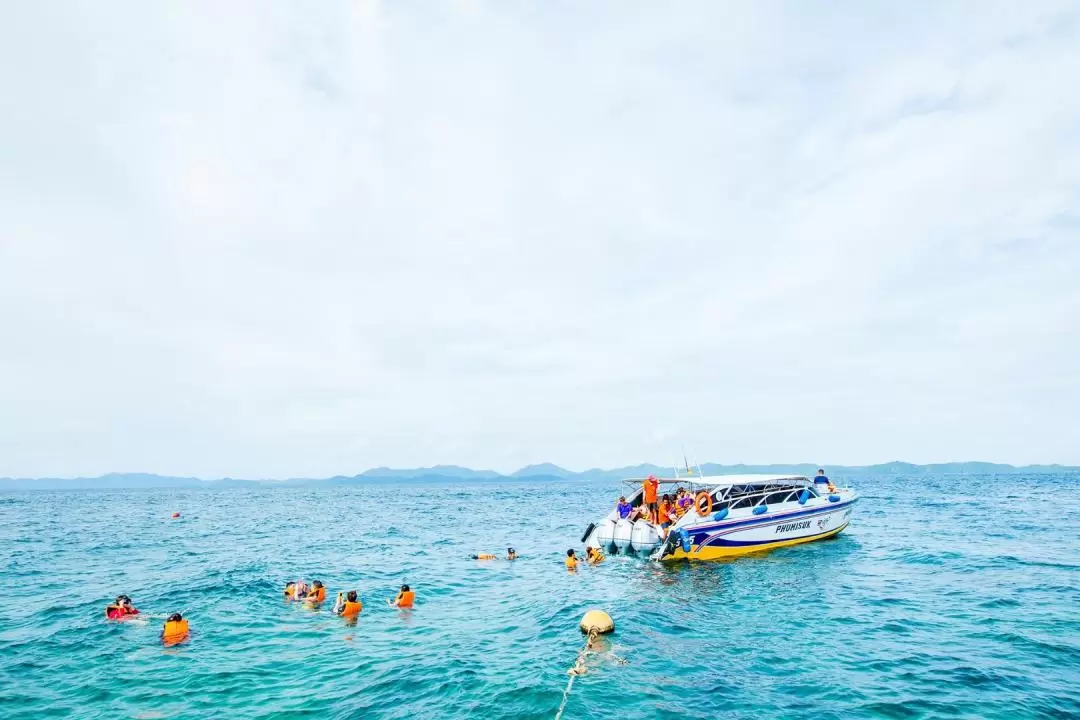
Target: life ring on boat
<point>703,503</point>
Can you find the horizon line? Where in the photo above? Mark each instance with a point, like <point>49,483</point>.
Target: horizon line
<point>433,470</point>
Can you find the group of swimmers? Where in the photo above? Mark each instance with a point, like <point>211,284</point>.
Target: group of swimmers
<point>593,556</point>
<point>348,603</point>
<point>175,630</point>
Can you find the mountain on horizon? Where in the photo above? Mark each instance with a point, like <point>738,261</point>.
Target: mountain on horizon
<point>549,469</point>
<point>438,470</point>
<point>540,472</point>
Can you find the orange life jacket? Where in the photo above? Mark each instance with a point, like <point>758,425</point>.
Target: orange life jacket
<point>405,598</point>
<point>175,631</point>
<point>571,563</point>
<point>320,595</point>
<point>485,556</point>
<point>665,513</point>
<point>351,609</point>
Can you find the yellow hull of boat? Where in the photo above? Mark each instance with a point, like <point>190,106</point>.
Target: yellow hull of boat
<point>719,553</point>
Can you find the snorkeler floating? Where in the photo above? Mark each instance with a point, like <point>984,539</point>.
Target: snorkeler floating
<point>511,554</point>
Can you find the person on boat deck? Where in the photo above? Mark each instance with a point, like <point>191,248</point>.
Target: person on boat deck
<point>624,508</point>
<point>676,499</point>
<point>683,502</point>
<point>665,513</point>
<point>822,483</point>
<point>571,561</point>
<point>316,594</point>
<point>348,605</point>
<point>648,498</point>
<point>405,598</point>
<point>120,609</point>
<point>511,554</point>
<point>641,512</point>
<point>594,556</point>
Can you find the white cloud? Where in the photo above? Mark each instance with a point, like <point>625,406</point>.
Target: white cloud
<point>281,240</point>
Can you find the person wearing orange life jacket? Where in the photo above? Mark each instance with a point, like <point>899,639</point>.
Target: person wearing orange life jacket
<point>683,502</point>
<point>176,630</point>
<point>665,514</point>
<point>571,561</point>
<point>648,496</point>
<point>316,594</point>
<point>484,556</point>
<point>348,606</point>
<point>404,599</point>
<point>594,556</point>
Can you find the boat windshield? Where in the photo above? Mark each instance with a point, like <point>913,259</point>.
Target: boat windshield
<point>752,494</point>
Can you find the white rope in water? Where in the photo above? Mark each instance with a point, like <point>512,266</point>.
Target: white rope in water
<point>578,669</point>
<point>565,697</point>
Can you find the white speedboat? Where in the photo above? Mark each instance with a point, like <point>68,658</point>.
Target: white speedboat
<point>731,515</point>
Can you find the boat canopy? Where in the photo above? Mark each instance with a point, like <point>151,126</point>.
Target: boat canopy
<point>717,481</point>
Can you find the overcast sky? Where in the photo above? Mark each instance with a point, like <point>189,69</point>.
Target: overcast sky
<point>275,239</point>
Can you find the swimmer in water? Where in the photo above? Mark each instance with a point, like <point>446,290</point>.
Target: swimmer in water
<point>176,629</point>
<point>571,561</point>
<point>348,606</point>
<point>296,590</point>
<point>316,594</point>
<point>404,599</point>
<point>120,609</point>
<point>511,554</point>
<point>594,555</point>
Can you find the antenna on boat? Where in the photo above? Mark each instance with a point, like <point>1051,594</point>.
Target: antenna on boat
<point>686,463</point>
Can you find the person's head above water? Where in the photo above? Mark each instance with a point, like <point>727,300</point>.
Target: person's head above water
<point>404,588</point>
<point>317,584</point>
<point>570,552</point>
<point>175,617</point>
<point>351,597</point>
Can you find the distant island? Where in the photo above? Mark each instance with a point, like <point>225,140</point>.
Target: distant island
<point>544,472</point>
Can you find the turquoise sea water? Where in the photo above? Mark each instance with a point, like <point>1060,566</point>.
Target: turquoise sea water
<point>949,596</point>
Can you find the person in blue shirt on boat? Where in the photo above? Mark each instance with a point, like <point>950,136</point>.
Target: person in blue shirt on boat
<point>822,483</point>
<point>624,508</point>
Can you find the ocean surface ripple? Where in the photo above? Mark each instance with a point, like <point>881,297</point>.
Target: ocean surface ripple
<point>949,596</point>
